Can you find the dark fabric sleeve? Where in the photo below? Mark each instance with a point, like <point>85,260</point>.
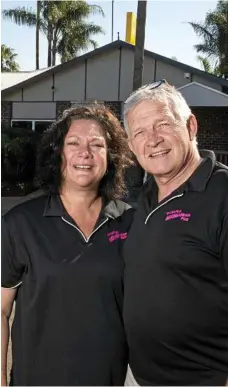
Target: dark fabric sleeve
<point>224,242</point>
<point>12,269</point>
<point>223,248</point>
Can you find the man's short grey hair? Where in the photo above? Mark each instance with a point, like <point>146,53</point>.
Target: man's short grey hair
<point>165,94</point>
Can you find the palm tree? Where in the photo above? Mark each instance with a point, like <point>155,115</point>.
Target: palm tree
<point>27,17</point>
<point>71,30</point>
<point>213,32</point>
<point>38,10</point>
<point>63,22</point>
<point>207,67</point>
<point>139,44</point>
<point>8,62</point>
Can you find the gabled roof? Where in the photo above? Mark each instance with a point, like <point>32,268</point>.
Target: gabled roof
<point>108,47</point>
<point>9,79</point>
<point>197,94</point>
<point>190,85</point>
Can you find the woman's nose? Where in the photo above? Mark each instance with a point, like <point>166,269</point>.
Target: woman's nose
<point>84,150</point>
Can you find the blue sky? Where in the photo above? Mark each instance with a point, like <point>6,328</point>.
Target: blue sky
<point>167,31</point>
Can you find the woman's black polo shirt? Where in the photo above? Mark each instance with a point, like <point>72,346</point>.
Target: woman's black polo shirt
<point>68,322</point>
<point>176,282</point>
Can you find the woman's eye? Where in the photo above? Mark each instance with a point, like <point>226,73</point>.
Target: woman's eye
<point>72,143</point>
<point>97,145</point>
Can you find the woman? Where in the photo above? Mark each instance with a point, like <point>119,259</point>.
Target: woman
<point>61,258</point>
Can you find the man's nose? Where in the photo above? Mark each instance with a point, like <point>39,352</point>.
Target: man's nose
<point>153,139</point>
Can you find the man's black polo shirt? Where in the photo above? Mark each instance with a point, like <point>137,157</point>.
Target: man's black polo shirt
<point>176,282</point>
<point>68,323</point>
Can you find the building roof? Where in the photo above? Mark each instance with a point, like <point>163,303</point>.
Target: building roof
<point>118,44</point>
<point>197,94</point>
<point>9,79</point>
<point>190,85</point>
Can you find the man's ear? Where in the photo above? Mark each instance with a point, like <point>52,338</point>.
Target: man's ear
<point>192,127</point>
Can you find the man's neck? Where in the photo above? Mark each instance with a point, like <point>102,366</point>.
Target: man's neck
<point>168,184</point>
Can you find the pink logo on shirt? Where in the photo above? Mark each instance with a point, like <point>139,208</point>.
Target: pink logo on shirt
<point>114,235</point>
<point>178,214</point>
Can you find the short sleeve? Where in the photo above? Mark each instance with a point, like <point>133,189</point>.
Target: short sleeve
<point>12,269</point>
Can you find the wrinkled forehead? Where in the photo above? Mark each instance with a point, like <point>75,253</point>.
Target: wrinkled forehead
<point>85,128</point>
<point>148,111</point>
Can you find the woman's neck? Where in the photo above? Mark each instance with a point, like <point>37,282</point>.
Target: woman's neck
<point>80,199</point>
<point>83,206</point>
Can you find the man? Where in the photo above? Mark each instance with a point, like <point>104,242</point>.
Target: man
<point>176,255</point>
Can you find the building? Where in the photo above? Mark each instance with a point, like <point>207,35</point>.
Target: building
<point>34,99</point>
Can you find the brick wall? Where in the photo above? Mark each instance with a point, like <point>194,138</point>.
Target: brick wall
<point>115,107</point>
<point>213,127</point>
<point>6,111</point>
<point>60,107</point>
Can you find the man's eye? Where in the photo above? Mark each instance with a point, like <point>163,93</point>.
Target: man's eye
<point>164,125</point>
<point>138,133</point>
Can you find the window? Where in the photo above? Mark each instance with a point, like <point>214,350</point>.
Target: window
<point>36,125</point>
<point>22,124</point>
<point>41,126</point>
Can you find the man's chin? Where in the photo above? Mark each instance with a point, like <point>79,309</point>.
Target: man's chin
<point>159,172</point>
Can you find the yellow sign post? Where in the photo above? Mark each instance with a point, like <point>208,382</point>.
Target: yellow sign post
<point>130,28</point>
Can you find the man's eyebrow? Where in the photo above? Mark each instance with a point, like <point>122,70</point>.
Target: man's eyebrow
<point>164,119</point>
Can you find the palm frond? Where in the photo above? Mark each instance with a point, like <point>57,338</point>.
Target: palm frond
<point>201,30</point>
<point>205,64</point>
<point>8,59</point>
<point>20,16</point>
<point>96,10</point>
<point>206,49</point>
<point>212,31</point>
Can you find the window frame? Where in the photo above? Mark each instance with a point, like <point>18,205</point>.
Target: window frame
<point>29,120</point>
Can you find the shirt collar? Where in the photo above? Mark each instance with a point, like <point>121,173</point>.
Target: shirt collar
<point>197,181</point>
<point>200,177</point>
<point>54,207</point>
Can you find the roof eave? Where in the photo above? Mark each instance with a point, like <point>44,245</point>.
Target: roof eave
<point>106,48</point>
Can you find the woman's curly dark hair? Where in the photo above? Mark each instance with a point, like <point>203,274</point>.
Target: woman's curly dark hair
<point>49,155</point>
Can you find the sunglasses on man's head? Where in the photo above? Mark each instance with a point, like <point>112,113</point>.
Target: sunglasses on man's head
<point>152,86</point>
<point>156,84</point>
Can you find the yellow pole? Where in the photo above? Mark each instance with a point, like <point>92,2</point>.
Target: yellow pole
<point>130,28</point>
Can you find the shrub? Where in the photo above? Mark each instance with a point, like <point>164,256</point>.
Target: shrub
<point>18,147</point>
